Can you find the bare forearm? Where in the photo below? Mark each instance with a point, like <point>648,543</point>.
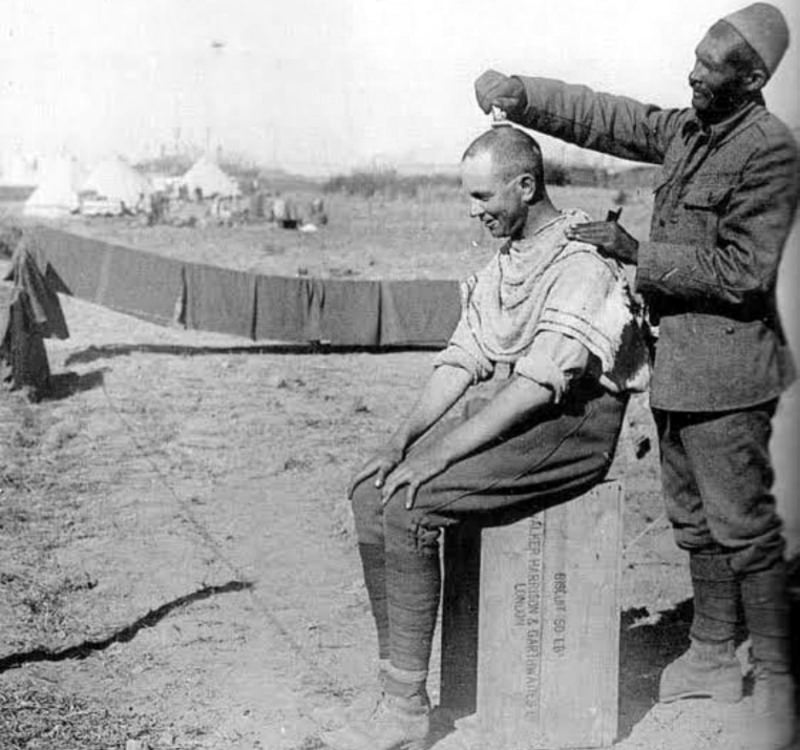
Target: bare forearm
<point>445,386</point>
<point>518,401</point>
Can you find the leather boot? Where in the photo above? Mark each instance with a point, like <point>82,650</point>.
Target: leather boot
<point>706,670</point>
<point>396,724</point>
<point>766,608</point>
<point>710,667</point>
<point>772,725</point>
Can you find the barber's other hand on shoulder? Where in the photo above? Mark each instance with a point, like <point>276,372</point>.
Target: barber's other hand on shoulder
<point>494,89</point>
<point>609,237</point>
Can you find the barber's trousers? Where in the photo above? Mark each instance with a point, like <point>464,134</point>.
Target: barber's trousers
<point>717,479</point>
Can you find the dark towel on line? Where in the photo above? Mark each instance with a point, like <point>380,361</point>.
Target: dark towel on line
<point>75,263</point>
<point>220,299</point>
<point>349,312</point>
<point>344,313</point>
<point>422,311</point>
<point>23,358</point>
<point>46,314</point>
<point>131,281</point>
<point>140,283</point>
<point>284,309</point>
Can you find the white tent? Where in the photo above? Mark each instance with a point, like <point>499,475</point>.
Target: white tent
<point>210,179</point>
<point>57,193</point>
<point>118,183</point>
<point>18,169</point>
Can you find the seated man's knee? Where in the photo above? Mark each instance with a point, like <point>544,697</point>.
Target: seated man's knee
<point>368,512</point>
<point>406,530</point>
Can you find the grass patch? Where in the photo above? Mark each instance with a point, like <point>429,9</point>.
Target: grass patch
<point>36,718</point>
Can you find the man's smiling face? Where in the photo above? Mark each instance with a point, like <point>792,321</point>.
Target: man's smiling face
<point>717,85</point>
<point>499,205</point>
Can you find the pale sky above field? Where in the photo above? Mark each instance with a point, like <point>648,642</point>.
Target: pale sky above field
<point>320,86</point>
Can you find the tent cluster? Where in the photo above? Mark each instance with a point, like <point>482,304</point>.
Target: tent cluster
<point>114,187</point>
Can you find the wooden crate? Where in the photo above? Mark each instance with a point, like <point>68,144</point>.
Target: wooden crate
<point>530,630</point>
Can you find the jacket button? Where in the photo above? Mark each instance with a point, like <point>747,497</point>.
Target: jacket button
<point>729,329</point>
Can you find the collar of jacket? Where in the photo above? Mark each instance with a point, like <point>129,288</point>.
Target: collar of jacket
<point>717,132</point>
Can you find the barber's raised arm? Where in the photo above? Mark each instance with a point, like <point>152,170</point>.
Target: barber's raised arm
<point>610,124</point>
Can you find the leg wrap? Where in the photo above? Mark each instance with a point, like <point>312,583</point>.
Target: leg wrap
<point>716,598</point>
<point>767,614</point>
<point>373,562</point>
<point>413,588</point>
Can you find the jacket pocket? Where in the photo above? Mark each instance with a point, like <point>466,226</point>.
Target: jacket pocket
<point>701,211</point>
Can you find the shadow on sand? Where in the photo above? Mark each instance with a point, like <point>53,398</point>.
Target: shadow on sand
<point>65,384</point>
<point>108,351</point>
<point>647,645</point>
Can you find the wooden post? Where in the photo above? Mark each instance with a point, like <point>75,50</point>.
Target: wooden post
<point>548,626</point>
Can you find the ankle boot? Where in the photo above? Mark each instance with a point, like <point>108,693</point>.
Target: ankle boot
<point>766,606</point>
<point>772,723</point>
<point>706,670</point>
<point>396,724</point>
<point>710,667</point>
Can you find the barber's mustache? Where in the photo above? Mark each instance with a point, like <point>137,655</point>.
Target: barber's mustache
<point>719,98</point>
<point>699,88</point>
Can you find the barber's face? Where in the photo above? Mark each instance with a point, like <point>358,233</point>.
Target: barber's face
<point>498,205</point>
<point>717,87</point>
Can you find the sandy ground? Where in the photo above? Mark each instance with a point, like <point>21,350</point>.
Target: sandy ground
<point>177,561</point>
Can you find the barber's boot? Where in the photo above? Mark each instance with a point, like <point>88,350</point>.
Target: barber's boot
<point>772,725</point>
<point>396,724</point>
<point>706,670</point>
<point>709,669</point>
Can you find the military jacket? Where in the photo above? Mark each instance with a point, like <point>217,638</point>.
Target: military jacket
<point>724,205</point>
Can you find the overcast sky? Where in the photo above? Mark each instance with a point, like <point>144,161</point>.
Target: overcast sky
<point>325,85</point>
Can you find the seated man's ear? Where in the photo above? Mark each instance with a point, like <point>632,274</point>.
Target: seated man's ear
<point>527,184</point>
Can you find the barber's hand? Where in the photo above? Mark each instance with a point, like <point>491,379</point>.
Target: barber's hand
<point>495,89</point>
<point>381,464</point>
<point>413,472</point>
<point>609,237</point>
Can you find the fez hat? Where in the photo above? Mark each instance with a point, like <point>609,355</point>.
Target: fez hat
<point>764,28</point>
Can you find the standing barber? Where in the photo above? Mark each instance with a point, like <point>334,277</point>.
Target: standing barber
<point>724,207</point>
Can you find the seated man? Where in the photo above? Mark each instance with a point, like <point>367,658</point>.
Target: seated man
<point>560,316</point>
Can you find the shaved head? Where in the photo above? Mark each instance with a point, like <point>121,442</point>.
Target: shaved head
<point>503,174</point>
<point>512,153</point>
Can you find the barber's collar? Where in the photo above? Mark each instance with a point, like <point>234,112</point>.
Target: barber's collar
<point>719,130</point>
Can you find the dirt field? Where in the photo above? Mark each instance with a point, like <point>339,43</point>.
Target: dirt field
<point>177,561</point>
<point>430,237</point>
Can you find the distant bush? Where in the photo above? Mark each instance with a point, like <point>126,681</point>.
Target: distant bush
<point>555,174</point>
<point>173,165</point>
<point>387,183</point>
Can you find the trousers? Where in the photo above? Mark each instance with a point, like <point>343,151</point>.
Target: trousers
<point>560,454</point>
<point>717,479</point>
